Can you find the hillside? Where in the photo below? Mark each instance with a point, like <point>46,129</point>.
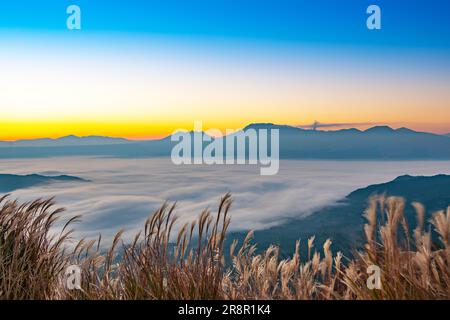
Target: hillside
<point>343,222</point>
<point>11,182</point>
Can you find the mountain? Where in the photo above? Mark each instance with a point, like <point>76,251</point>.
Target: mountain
<point>65,141</point>
<point>343,221</point>
<point>378,143</point>
<point>11,182</point>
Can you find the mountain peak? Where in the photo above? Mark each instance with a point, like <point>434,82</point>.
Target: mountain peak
<point>261,125</point>
<point>69,137</point>
<point>380,129</point>
<point>349,130</point>
<point>269,126</point>
<point>404,177</point>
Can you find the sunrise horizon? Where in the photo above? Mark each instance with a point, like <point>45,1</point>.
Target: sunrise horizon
<point>114,77</point>
<point>320,127</point>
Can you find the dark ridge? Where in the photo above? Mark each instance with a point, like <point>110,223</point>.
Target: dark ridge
<point>343,222</point>
<point>380,129</point>
<point>11,182</point>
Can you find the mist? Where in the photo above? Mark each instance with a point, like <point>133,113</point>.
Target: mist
<point>122,193</point>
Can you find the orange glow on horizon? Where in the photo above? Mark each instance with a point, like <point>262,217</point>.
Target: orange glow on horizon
<point>12,131</point>
<point>148,92</point>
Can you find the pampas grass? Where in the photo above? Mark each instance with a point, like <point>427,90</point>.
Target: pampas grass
<point>191,264</point>
<point>30,259</point>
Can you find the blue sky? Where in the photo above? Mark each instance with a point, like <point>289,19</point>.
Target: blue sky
<point>409,23</point>
<point>143,69</point>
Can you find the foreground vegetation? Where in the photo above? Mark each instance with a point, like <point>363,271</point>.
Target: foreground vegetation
<point>191,264</point>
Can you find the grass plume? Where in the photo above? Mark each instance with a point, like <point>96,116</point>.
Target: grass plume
<point>159,264</point>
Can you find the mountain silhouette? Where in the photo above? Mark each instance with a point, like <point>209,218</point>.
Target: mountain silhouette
<point>343,222</point>
<point>11,182</point>
<point>70,140</point>
<point>380,142</point>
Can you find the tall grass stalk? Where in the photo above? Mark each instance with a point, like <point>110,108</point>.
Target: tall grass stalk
<point>159,264</point>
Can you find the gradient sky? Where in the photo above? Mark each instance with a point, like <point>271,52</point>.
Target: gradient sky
<point>143,69</point>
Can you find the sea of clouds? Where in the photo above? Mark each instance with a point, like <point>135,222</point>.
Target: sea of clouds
<point>122,193</point>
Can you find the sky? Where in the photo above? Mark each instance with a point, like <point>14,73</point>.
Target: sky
<point>143,69</point>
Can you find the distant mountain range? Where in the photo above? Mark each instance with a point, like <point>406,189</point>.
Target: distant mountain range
<point>380,142</point>
<point>343,222</point>
<point>66,141</point>
<point>11,182</point>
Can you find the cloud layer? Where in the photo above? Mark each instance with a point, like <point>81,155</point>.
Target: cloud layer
<point>124,192</point>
